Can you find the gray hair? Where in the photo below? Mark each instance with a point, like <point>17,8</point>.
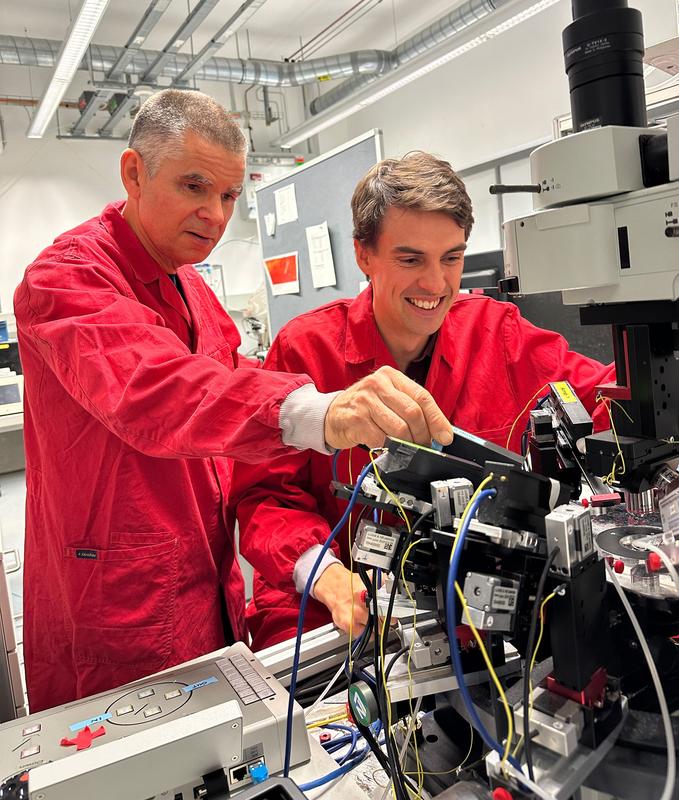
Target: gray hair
<point>418,181</point>
<point>167,116</point>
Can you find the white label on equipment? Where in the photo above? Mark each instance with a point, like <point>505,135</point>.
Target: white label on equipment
<point>504,598</point>
<point>379,541</point>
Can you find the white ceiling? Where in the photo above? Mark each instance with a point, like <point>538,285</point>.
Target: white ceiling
<point>274,32</point>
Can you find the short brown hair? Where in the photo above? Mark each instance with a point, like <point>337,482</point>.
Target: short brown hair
<point>167,116</point>
<point>418,181</point>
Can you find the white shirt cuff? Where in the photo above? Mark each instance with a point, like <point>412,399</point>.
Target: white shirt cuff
<point>305,563</point>
<point>302,419</point>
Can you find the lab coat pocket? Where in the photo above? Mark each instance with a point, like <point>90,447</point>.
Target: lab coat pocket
<point>224,355</point>
<point>123,599</point>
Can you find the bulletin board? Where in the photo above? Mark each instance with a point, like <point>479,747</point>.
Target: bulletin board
<point>322,193</point>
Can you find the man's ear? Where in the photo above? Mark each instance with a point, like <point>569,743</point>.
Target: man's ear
<point>362,253</point>
<point>131,172</point>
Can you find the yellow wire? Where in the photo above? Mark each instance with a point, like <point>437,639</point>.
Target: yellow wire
<point>612,476</point>
<point>327,721</point>
<point>386,690</point>
<point>525,408</point>
<point>351,575</point>
<point>404,516</point>
<point>393,497</point>
<point>532,663</point>
<point>535,652</point>
<point>420,773</point>
<point>493,675</point>
<point>461,764</point>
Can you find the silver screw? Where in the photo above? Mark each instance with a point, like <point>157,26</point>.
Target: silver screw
<point>235,725</point>
<point>234,758</point>
<point>490,621</point>
<point>557,725</point>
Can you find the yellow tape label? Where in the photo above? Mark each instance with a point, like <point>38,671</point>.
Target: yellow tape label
<point>565,392</point>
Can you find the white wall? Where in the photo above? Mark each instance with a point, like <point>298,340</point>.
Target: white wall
<point>49,185</point>
<point>498,97</point>
<point>495,98</point>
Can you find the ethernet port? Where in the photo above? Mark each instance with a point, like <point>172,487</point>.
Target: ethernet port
<point>241,773</point>
<point>237,774</point>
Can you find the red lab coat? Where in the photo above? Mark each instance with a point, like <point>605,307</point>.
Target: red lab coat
<point>132,403</point>
<point>486,365</point>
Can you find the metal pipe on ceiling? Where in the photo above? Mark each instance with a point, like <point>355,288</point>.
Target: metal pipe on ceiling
<point>152,15</point>
<point>31,102</point>
<point>33,52</point>
<point>443,28</point>
<point>176,41</point>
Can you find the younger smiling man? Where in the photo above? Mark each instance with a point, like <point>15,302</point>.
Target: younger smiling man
<point>477,357</point>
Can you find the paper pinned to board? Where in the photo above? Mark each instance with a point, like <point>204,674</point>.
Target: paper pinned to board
<point>285,201</point>
<point>320,256</point>
<point>270,223</point>
<point>282,273</point>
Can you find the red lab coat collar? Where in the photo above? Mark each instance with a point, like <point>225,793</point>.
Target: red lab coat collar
<point>145,268</point>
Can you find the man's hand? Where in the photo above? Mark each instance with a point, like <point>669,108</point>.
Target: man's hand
<point>386,403</point>
<point>334,590</point>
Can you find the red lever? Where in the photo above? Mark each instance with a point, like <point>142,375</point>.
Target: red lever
<point>84,738</point>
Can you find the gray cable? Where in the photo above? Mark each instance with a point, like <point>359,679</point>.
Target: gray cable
<point>667,722</point>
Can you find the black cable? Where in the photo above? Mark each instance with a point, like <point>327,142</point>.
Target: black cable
<point>374,746</point>
<point>393,660</point>
<point>527,743</point>
<point>394,770</point>
<point>382,699</point>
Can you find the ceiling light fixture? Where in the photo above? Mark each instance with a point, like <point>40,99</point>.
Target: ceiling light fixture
<point>68,61</point>
<point>402,76</point>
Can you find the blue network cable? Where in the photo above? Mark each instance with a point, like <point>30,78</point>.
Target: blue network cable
<point>451,616</point>
<point>351,761</point>
<point>336,773</point>
<point>302,611</point>
<point>338,744</point>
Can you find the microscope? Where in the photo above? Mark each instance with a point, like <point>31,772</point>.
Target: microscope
<point>604,232</point>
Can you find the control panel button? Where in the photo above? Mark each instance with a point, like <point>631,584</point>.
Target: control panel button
<point>30,751</point>
<point>173,693</point>
<point>152,711</point>
<point>120,712</point>
<point>31,730</point>
<point>145,693</point>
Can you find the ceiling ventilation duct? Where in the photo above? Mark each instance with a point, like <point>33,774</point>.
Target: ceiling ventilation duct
<point>29,52</point>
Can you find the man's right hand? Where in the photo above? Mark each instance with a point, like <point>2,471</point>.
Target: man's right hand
<point>334,590</point>
<point>386,403</point>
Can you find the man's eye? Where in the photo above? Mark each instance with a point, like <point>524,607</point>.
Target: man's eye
<point>452,259</point>
<point>193,187</point>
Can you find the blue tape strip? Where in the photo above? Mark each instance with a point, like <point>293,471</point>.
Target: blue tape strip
<point>199,685</point>
<point>78,726</point>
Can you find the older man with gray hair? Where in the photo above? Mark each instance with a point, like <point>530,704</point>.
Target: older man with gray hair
<point>136,400</point>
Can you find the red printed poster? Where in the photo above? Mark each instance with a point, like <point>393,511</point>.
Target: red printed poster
<point>282,273</point>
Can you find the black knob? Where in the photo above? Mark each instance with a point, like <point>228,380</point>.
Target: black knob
<point>15,788</point>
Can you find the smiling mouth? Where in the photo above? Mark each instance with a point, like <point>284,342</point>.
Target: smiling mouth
<point>425,305</point>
